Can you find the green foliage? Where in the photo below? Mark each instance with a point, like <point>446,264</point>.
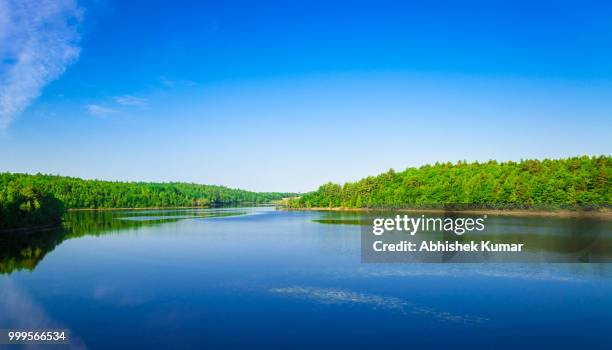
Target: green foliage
<point>565,183</point>
<point>26,205</point>
<point>92,194</point>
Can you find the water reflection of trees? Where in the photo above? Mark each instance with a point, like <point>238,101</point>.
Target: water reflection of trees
<point>24,250</point>
<point>19,251</point>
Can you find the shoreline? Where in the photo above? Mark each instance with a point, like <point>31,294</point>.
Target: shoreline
<point>561,213</point>
<point>145,208</point>
<point>237,205</point>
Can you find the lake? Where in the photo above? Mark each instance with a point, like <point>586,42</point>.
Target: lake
<point>258,277</point>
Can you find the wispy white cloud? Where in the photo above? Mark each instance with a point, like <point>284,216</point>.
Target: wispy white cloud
<point>38,41</point>
<point>115,105</point>
<point>129,100</point>
<point>99,111</point>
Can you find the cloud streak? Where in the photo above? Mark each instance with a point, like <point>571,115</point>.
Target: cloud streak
<point>129,100</point>
<point>99,111</point>
<point>38,41</point>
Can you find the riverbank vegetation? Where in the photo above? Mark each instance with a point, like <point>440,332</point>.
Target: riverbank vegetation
<point>578,182</point>
<point>77,193</point>
<point>36,200</point>
<point>24,205</point>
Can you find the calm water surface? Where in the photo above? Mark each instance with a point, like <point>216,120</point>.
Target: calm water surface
<point>256,277</point>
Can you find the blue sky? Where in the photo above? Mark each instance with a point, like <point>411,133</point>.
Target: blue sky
<point>287,95</point>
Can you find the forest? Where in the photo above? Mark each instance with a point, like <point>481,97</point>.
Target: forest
<point>31,200</point>
<point>577,182</point>
<point>25,205</point>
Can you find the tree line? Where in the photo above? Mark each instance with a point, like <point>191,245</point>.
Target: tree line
<point>29,200</point>
<point>577,182</point>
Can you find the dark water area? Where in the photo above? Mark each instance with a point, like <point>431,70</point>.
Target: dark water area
<point>261,278</point>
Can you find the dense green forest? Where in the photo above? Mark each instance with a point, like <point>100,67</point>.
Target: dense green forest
<point>79,193</point>
<point>25,205</point>
<point>30,200</point>
<point>579,182</point>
